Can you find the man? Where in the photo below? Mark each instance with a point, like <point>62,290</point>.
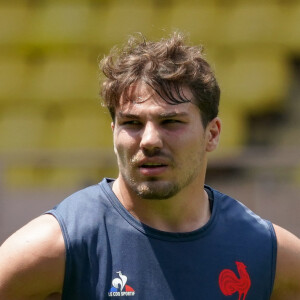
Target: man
<point>156,232</point>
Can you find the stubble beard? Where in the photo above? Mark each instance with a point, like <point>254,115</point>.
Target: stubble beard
<point>154,188</point>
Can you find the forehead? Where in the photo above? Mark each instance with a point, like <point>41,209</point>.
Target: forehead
<point>142,98</point>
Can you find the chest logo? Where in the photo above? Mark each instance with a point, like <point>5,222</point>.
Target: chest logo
<point>229,283</point>
<point>120,288</point>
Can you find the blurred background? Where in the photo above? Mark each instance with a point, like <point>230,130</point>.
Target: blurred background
<point>55,137</point>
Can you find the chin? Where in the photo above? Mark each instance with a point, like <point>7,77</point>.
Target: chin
<point>155,190</point>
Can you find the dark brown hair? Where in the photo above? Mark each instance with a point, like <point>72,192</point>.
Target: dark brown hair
<point>166,66</point>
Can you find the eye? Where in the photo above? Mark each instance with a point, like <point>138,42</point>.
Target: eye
<point>171,121</point>
<point>131,123</point>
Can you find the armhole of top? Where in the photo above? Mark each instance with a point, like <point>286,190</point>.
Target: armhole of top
<point>66,237</point>
<point>274,255</point>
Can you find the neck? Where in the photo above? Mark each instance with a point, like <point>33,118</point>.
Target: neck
<point>188,210</point>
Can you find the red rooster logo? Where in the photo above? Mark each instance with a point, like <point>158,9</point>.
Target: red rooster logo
<point>230,283</point>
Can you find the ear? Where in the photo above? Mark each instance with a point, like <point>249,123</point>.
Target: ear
<point>112,126</point>
<point>213,131</point>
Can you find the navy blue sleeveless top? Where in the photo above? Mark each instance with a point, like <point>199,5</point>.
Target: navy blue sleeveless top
<point>111,255</point>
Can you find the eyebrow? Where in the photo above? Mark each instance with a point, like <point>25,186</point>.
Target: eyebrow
<point>172,115</point>
<point>160,116</point>
<point>127,115</point>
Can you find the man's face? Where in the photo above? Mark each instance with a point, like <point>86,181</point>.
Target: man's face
<point>161,148</point>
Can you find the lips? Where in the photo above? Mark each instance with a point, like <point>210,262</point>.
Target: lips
<point>149,168</point>
<point>152,165</point>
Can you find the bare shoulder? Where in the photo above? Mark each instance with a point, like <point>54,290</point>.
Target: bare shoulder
<point>287,280</point>
<point>32,261</point>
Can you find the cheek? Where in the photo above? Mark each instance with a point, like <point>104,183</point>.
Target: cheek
<point>124,144</point>
<point>190,150</point>
<point>187,140</point>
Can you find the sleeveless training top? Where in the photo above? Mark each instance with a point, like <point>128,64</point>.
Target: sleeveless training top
<point>110,255</point>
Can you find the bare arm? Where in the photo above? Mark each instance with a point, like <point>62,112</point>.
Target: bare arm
<point>32,261</point>
<point>287,280</point>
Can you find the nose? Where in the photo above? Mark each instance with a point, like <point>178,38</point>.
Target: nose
<point>151,139</point>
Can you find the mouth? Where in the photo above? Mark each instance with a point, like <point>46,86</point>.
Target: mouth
<point>152,169</point>
<point>152,165</point>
